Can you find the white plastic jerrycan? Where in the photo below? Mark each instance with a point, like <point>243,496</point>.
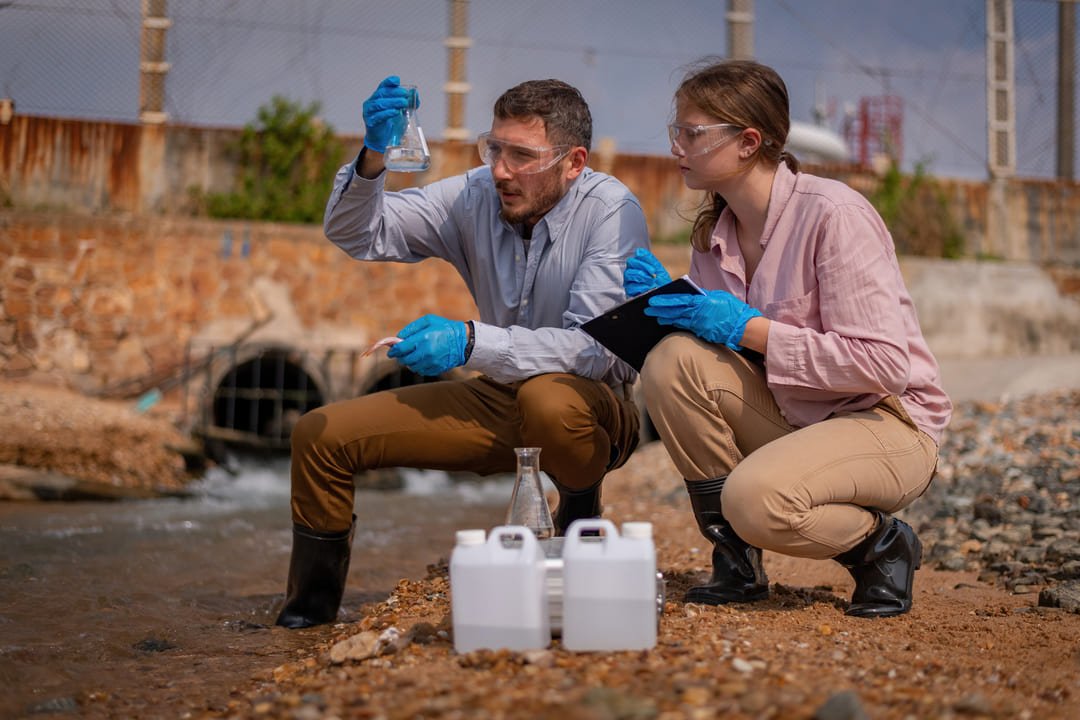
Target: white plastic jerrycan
<point>609,587</point>
<point>498,590</point>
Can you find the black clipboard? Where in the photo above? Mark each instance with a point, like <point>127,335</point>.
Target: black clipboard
<point>628,332</point>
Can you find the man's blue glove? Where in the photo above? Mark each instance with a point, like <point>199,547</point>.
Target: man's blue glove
<point>382,113</point>
<point>431,345</point>
<point>643,273</point>
<point>716,315</point>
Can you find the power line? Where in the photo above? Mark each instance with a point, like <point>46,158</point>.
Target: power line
<point>882,74</point>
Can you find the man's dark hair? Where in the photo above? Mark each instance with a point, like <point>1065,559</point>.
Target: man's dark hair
<point>566,116</point>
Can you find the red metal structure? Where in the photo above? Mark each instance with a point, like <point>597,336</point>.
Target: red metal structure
<point>878,129</point>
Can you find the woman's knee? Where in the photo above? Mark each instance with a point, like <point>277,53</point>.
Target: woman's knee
<point>756,510</point>
<point>662,367</point>
<point>681,360</point>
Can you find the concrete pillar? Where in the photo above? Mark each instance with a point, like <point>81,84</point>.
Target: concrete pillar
<point>457,42</point>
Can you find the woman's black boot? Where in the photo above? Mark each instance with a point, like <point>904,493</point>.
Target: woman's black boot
<point>738,575</point>
<point>317,571</point>
<point>883,566</point>
<point>575,505</point>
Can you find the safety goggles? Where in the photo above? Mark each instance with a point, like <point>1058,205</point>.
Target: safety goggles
<point>519,159</point>
<point>691,140</point>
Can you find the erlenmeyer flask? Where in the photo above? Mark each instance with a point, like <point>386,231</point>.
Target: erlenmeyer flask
<point>407,150</point>
<point>528,506</point>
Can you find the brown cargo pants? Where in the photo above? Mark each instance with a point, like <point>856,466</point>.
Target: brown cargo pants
<point>583,427</point>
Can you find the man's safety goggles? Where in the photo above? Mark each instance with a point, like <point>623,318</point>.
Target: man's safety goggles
<point>519,159</point>
<point>691,140</point>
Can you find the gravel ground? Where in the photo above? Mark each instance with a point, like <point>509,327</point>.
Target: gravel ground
<point>994,632</point>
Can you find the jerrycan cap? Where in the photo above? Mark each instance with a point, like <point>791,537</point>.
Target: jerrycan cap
<point>637,530</point>
<point>470,537</point>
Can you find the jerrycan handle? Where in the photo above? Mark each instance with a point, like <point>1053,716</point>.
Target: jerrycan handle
<point>573,533</point>
<point>512,538</point>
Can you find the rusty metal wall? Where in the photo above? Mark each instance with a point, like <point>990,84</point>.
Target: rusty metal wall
<point>104,167</point>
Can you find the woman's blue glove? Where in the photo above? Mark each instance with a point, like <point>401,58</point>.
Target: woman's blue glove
<point>431,345</point>
<point>643,273</point>
<point>382,113</point>
<point>716,315</point>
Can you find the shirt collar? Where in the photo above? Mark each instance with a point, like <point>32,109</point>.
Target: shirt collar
<point>783,187</point>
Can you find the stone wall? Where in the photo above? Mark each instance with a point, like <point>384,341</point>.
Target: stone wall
<point>112,305</point>
<point>109,305</point>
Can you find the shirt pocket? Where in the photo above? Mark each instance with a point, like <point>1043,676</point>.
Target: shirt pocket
<point>801,311</point>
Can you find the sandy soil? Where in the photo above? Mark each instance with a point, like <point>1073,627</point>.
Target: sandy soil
<point>58,442</point>
<point>969,649</point>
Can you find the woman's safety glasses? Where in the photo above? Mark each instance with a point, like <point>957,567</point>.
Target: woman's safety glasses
<point>691,140</point>
<point>519,159</point>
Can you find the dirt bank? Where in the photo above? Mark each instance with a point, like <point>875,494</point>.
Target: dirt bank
<point>57,444</point>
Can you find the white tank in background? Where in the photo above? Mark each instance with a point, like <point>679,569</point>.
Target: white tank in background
<point>816,144</point>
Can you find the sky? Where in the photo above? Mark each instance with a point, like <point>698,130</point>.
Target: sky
<point>80,58</point>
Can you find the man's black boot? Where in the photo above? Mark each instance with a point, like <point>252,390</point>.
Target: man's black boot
<point>883,566</point>
<point>575,505</point>
<point>738,575</point>
<point>317,572</point>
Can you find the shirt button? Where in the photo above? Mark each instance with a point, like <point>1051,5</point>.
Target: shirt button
<point>783,414</point>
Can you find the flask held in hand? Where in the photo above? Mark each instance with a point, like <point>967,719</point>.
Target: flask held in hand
<point>382,113</point>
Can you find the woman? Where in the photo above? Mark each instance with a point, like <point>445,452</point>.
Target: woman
<point>802,405</point>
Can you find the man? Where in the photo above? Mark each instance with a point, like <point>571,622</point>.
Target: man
<point>540,240</point>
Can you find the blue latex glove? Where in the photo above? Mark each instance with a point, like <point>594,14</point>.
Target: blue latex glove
<point>431,345</point>
<point>716,315</point>
<point>643,273</point>
<point>382,113</point>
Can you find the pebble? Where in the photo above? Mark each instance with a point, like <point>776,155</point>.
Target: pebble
<point>1006,499</point>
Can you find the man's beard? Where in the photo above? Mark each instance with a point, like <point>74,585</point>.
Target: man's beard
<point>544,197</point>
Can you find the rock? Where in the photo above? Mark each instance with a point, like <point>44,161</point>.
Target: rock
<point>841,706</point>
<point>1065,596</point>
<point>24,483</point>
<point>368,644</point>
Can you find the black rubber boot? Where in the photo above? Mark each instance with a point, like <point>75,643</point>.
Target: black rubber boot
<point>575,505</point>
<point>883,566</point>
<point>317,571</point>
<point>738,575</point>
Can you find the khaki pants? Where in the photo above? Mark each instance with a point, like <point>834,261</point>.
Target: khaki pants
<point>582,426</point>
<point>798,491</point>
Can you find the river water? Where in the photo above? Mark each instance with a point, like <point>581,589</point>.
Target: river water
<point>159,608</point>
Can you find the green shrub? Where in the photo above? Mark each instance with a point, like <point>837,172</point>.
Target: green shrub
<point>916,211</point>
<point>288,159</point>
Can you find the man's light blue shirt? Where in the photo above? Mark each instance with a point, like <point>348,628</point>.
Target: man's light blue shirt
<point>531,303</point>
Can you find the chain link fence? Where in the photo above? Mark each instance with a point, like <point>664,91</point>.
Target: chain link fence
<point>81,58</point>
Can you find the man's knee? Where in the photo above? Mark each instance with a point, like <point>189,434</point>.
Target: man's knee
<point>308,431</point>
<point>550,402</point>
